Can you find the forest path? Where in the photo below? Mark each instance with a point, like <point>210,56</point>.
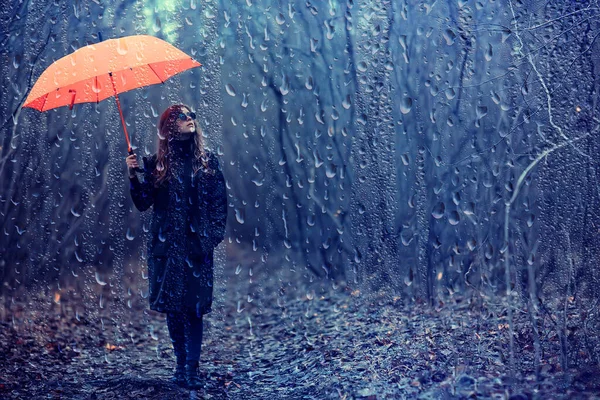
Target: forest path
<point>283,344</point>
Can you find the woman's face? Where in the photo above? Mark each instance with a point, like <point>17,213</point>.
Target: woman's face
<point>186,125</point>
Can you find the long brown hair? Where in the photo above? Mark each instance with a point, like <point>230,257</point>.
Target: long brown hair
<point>167,126</point>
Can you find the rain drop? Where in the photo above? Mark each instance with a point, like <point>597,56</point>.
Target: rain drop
<point>406,105</point>
<point>438,210</point>
<point>481,111</point>
<point>309,83</point>
<point>99,279</point>
<point>362,66</point>
<point>488,53</point>
<point>454,217</point>
<point>449,36</point>
<point>230,90</point>
<point>330,170</point>
<point>347,103</point>
<point>239,215</point>
<point>530,220</point>
<point>157,25</point>
<point>404,158</point>
<point>469,208</point>
<point>330,29</point>
<point>161,235</point>
<point>129,235</point>
<point>471,244</point>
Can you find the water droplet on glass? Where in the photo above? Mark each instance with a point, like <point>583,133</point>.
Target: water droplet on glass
<point>230,90</point>
<point>406,237</point>
<point>330,29</point>
<point>129,235</point>
<point>309,83</point>
<point>122,47</point>
<point>469,208</point>
<point>406,105</point>
<point>404,158</point>
<point>285,86</point>
<point>454,217</point>
<point>489,251</point>
<point>258,182</point>
<point>456,198</point>
<point>438,210</point>
<point>330,170</point>
<point>161,235</point>
<point>313,45</point>
<point>471,244</point>
<point>449,36</point>
<point>99,279</point>
<point>157,25</point>
<point>239,215</point>
<point>489,53</point>
<point>347,103</point>
<point>481,111</point>
<point>530,220</point>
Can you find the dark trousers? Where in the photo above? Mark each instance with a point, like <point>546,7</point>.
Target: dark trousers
<point>185,330</point>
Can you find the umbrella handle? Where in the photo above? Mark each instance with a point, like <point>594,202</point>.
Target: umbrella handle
<point>136,169</point>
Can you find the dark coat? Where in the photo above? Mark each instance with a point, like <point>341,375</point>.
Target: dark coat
<point>183,281</point>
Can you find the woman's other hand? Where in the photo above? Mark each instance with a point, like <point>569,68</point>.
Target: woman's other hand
<point>132,164</point>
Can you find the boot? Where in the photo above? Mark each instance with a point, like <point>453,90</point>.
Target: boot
<point>179,375</point>
<point>193,381</point>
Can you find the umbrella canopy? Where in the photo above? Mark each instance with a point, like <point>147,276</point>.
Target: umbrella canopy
<point>98,71</point>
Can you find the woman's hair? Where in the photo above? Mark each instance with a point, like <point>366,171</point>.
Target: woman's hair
<point>167,126</point>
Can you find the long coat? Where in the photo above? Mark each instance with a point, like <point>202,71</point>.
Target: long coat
<point>181,277</point>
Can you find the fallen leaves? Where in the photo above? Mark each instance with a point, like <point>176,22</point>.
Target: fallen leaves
<point>337,345</point>
<point>111,347</point>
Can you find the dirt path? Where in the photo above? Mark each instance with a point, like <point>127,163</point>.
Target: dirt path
<point>282,342</point>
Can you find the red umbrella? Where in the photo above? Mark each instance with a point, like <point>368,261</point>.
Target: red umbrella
<point>98,71</point>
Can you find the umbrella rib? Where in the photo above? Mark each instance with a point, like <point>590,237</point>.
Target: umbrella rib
<point>97,90</point>
<point>161,81</point>
<point>44,104</point>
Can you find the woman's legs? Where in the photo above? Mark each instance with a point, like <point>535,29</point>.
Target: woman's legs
<point>193,337</point>
<point>193,345</point>
<point>176,325</point>
<point>185,330</point>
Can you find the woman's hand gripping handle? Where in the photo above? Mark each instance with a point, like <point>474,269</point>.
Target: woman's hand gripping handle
<point>132,165</point>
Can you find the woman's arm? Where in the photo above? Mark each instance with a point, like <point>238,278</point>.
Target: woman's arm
<point>218,206</point>
<point>142,193</point>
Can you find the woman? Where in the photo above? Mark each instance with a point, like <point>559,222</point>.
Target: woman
<point>184,185</point>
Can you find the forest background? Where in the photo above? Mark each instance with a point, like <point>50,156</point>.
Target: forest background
<point>414,151</point>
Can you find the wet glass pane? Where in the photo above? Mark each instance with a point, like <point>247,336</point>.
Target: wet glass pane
<point>357,199</point>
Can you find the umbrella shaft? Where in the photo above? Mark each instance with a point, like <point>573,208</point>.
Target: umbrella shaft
<point>120,112</point>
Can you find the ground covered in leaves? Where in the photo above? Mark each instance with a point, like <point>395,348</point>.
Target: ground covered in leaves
<point>269,339</point>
